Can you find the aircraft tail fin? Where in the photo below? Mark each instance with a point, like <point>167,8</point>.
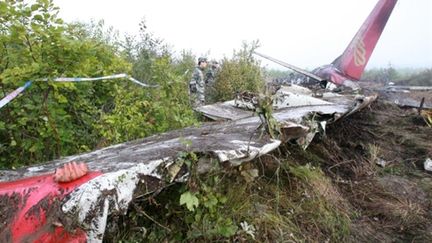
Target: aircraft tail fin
<point>355,57</point>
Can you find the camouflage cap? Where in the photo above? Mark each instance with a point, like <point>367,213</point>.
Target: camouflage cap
<point>202,59</point>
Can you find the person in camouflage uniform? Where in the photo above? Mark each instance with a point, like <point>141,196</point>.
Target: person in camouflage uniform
<point>211,72</point>
<point>197,84</point>
<point>210,92</point>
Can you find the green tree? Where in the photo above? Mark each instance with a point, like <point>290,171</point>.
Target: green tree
<point>139,113</point>
<point>422,78</point>
<point>240,73</point>
<point>50,119</point>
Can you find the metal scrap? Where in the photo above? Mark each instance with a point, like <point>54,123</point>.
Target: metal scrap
<point>149,161</point>
<point>428,164</point>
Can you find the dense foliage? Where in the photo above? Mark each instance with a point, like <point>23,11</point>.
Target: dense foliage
<point>401,76</point>
<point>422,78</point>
<point>294,201</point>
<point>240,73</point>
<point>53,119</point>
<point>141,112</point>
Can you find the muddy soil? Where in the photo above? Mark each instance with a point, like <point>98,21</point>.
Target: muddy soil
<point>392,203</point>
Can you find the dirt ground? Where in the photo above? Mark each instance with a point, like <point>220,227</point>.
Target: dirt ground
<point>334,191</point>
<point>393,202</point>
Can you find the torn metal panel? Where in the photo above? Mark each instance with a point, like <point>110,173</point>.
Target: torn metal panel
<point>205,139</point>
<point>247,152</point>
<point>90,204</point>
<point>285,99</point>
<point>111,193</point>
<point>400,88</point>
<point>293,106</point>
<point>291,130</point>
<point>428,164</point>
<point>296,114</point>
<point>337,98</point>
<point>224,111</point>
<point>407,97</point>
<point>410,102</point>
<point>297,89</point>
<point>297,108</point>
<point>360,103</point>
<point>30,207</point>
<point>151,161</point>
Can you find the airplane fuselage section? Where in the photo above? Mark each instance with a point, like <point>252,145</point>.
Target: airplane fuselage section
<point>332,74</point>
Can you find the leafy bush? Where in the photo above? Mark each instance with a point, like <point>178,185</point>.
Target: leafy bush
<point>141,112</point>
<point>423,78</point>
<point>240,73</point>
<point>54,119</point>
<point>400,76</point>
<point>50,119</point>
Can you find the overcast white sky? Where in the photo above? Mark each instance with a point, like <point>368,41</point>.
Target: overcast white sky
<point>306,33</point>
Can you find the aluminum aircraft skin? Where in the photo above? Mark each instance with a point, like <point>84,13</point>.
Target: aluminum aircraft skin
<point>32,200</point>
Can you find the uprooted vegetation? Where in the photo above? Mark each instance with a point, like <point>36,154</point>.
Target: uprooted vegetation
<point>333,191</point>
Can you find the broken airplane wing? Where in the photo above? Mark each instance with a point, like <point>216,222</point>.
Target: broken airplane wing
<point>48,211</point>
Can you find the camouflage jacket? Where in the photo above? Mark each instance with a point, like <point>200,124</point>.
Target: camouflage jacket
<point>197,84</point>
<point>210,76</point>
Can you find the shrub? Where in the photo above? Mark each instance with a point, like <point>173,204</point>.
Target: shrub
<point>240,73</point>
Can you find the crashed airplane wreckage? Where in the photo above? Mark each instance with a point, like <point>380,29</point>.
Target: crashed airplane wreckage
<point>36,206</point>
<point>40,204</point>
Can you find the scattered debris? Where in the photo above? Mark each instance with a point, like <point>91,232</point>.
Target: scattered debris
<point>149,165</point>
<point>427,116</point>
<point>149,162</point>
<point>418,97</point>
<point>428,164</point>
<point>248,229</point>
<point>381,162</point>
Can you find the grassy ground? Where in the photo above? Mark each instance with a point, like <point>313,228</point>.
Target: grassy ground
<point>332,192</point>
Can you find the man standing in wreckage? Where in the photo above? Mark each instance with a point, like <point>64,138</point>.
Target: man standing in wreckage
<point>210,77</point>
<point>197,84</point>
